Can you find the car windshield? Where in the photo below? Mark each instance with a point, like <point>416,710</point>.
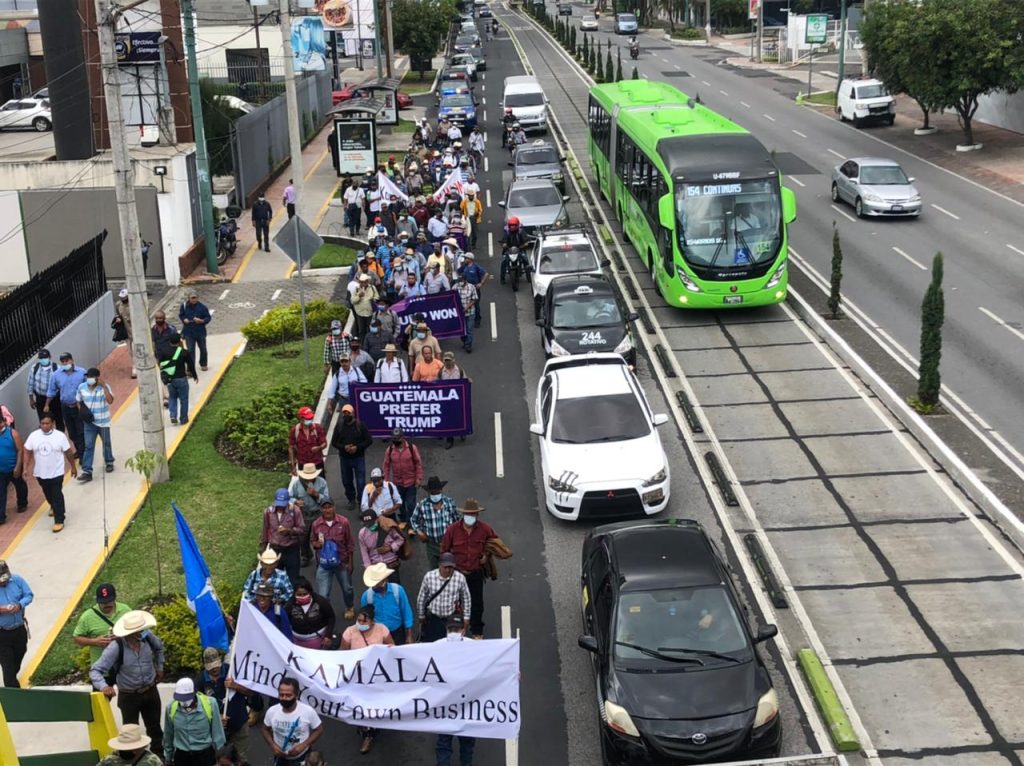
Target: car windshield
<point>575,311</point>
<point>543,156</point>
<point>568,259</point>
<point>729,225</point>
<point>468,40</point>
<point>883,175</point>
<point>542,196</point>
<point>627,17</point>
<point>673,620</point>
<point>523,99</point>
<point>592,419</point>
<point>872,91</point>
<point>458,99</point>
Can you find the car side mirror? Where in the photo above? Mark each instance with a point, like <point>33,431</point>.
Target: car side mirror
<point>660,419</point>
<point>510,163</point>
<point>765,632</point>
<point>589,643</point>
<point>539,323</point>
<point>565,198</point>
<point>788,205</point>
<point>501,203</point>
<point>536,429</point>
<point>606,263</point>
<point>911,179</point>
<point>633,317</point>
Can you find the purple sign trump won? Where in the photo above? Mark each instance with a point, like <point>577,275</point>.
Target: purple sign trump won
<point>425,409</point>
<point>443,313</point>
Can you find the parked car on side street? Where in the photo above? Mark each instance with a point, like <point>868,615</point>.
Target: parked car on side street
<point>865,100</point>
<point>26,113</point>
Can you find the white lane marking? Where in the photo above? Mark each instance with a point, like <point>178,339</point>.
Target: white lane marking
<point>485,115</point>
<point>490,244</point>
<point>744,104</point>
<point>1017,250</point>
<point>843,213</point>
<point>837,154</point>
<point>499,451</point>
<point>802,135</point>
<point>954,216</point>
<point>224,294</point>
<point>705,82</point>
<point>483,75</point>
<point>999,320</point>
<point>483,88</point>
<point>265,312</point>
<point>494,321</point>
<point>276,295</point>
<point>677,66</point>
<point>723,92</point>
<point>248,306</point>
<point>487,166</point>
<point>797,181</point>
<point>488,199</point>
<point>769,117</point>
<point>912,260</point>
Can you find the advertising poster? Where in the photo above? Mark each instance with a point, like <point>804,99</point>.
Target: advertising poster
<point>309,47</point>
<point>353,19</point>
<point>357,146</point>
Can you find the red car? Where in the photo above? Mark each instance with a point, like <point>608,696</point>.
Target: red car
<point>350,92</point>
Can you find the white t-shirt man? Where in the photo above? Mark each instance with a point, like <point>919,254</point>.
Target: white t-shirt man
<point>354,196</point>
<point>300,723</point>
<point>391,371</point>
<point>48,450</point>
<point>471,187</point>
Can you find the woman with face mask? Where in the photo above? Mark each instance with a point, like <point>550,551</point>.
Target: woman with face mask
<point>366,632</point>
<point>311,616</point>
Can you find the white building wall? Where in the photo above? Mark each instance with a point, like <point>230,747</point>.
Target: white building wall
<point>214,40</point>
<point>1002,110</point>
<point>13,255</point>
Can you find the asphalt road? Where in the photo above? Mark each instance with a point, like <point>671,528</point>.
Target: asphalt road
<point>886,266</point>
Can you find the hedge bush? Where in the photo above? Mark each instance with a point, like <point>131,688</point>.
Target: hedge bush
<point>256,434</point>
<point>688,33</point>
<point>285,323</point>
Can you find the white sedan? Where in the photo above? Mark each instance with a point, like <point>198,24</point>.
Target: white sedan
<point>588,24</point>
<point>599,447</point>
<point>26,113</point>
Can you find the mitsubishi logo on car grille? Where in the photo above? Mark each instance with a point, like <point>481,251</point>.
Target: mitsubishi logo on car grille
<point>611,493</point>
<point>699,738</point>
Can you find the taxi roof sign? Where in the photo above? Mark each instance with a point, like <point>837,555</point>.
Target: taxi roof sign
<point>584,290</point>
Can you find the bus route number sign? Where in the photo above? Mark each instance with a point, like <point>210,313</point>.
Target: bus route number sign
<point>817,29</point>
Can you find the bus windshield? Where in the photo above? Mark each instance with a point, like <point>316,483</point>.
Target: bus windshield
<point>729,224</point>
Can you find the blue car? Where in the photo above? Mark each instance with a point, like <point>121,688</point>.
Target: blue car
<point>459,108</point>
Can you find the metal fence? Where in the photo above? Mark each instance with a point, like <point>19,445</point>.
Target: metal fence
<point>259,140</point>
<point>33,313</point>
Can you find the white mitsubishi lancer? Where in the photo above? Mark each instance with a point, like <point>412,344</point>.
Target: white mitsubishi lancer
<point>599,447</point>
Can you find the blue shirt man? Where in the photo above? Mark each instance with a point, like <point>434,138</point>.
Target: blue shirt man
<point>65,381</point>
<point>190,311</point>
<point>15,596</point>
<point>390,603</point>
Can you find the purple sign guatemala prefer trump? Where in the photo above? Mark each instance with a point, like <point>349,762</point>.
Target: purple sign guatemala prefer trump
<point>428,409</point>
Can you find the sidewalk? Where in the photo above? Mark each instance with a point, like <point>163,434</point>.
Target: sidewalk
<point>998,166</point>
<point>59,568</point>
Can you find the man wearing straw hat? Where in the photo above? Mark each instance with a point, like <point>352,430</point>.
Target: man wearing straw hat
<point>467,540</point>
<point>129,748</point>
<point>134,662</point>
<point>268,572</point>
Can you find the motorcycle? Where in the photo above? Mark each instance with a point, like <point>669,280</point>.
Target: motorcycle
<point>634,52</point>
<point>516,268</point>
<point>227,241</point>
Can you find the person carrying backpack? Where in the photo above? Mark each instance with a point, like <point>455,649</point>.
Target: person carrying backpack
<point>404,466</point>
<point>176,367</point>
<point>134,663</point>
<point>334,548</point>
<point>193,726</point>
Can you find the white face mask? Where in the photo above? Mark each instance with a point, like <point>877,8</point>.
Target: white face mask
<point>469,519</point>
<point>454,635</point>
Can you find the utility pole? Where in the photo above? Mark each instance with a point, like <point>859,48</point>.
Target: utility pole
<point>707,20</point>
<point>376,37</point>
<point>128,218</point>
<point>390,37</point>
<point>291,97</point>
<point>202,159</point>
<point>842,44</point>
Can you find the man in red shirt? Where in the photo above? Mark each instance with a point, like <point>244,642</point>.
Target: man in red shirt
<point>307,441</point>
<point>330,526</point>
<point>403,467</point>
<point>467,541</point>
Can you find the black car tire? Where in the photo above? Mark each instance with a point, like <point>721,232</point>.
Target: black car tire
<point>858,208</point>
<point>892,119</point>
<point>835,192</point>
<point>515,279</point>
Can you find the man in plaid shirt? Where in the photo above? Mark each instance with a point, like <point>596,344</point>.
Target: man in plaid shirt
<point>336,345</point>
<point>443,593</point>
<point>432,516</point>
<point>469,296</point>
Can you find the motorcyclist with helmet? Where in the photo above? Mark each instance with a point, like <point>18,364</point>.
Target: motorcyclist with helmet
<point>514,237</point>
<point>508,120</point>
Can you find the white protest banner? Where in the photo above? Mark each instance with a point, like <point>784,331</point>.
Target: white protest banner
<point>452,183</point>
<point>387,186</point>
<point>447,687</point>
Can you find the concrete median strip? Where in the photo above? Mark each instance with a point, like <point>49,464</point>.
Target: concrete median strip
<point>839,725</point>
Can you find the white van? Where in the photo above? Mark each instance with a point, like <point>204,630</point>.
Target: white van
<point>524,96</point>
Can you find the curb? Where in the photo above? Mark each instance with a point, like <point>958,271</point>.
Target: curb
<point>825,695</point>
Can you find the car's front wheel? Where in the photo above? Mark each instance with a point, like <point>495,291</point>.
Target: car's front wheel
<point>858,207</point>
<point>835,192</point>
<point>41,124</point>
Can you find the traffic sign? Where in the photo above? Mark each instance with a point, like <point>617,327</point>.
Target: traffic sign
<point>817,29</point>
<point>298,241</point>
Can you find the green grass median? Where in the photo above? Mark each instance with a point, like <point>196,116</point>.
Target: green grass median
<point>330,255</point>
<point>222,501</point>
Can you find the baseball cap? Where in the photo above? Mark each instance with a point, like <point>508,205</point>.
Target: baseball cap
<point>335,324</point>
<point>348,408</point>
<point>368,515</point>
<point>106,594</point>
<point>184,690</point>
<point>446,560</point>
<point>281,498</point>
<point>211,658</point>
<point>376,473</point>
<point>455,621</point>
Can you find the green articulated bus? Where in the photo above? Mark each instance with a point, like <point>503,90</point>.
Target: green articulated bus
<point>700,198</point>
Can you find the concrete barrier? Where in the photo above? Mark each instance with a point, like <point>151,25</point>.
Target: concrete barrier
<point>828,702</point>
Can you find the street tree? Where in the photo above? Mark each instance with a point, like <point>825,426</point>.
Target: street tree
<point>834,295</point>
<point>618,64</point>
<point>933,313</point>
<point>419,27</point>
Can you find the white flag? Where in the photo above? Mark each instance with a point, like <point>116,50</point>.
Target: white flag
<point>454,181</point>
<point>387,186</point>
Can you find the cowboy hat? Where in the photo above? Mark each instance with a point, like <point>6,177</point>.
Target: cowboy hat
<point>390,347</point>
<point>269,556</point>
<point>376,574</point>
<point>129,738</point>
<point>471,506</point>
<point>434,484</point>
<point>450,242</point>
<point>134,622</point>
<point>308,471</point>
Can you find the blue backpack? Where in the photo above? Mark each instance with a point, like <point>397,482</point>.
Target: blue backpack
<point>330,555</point>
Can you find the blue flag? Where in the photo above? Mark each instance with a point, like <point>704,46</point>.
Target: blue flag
<point>202,599</point>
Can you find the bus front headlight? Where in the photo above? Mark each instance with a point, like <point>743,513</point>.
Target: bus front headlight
<point>688,283</point>
<point>777,276</point>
